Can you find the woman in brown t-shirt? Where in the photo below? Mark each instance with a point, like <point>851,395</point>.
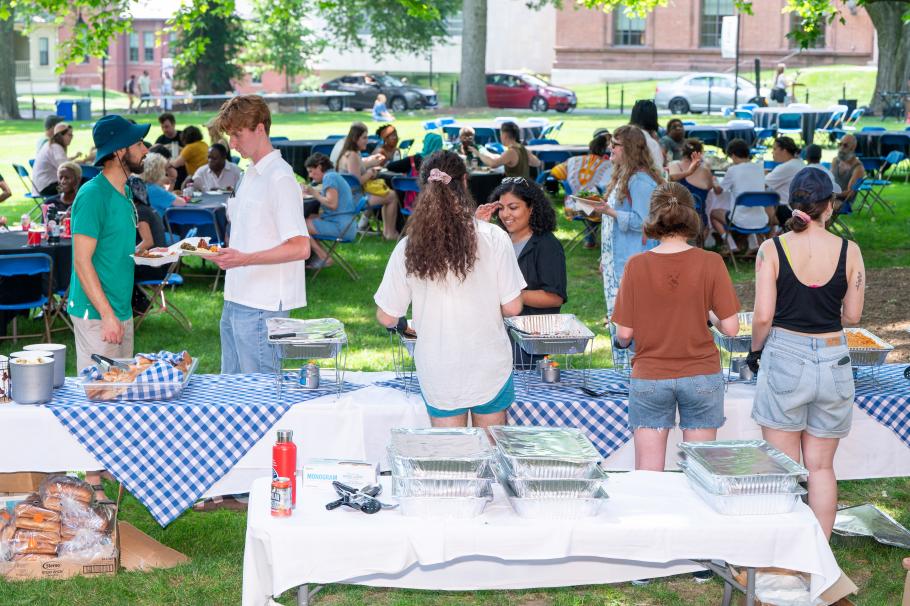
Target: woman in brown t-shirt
<point>664,301</point>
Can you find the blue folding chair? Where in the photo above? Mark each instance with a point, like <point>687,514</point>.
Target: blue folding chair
<point>849,124</point>
<point>831,126</point>
<point>770,164</point>
<point>485,135</point>
<point>551,131</point>
<point>89,171</point>
<point>743,114</point>
<point>451,132</point>
<point>749,106</point>
<point>322,148</point>
<point>332,249</point>
<point>404,185</point>
<point>543,142</point>
<point>154,290</point>
<point>838,225</point>
<point>706,136</point>
<point>762,134</point>
<point>277,139</point>
<point>752,199</point>
<point>496,148</point>
<point>873,129</point>
<point>29,187</point>
<point>23,266</point>
<point>790,124</point>
<point>180,219</point>
<point>405,145</point>
<point>552,158</point>
<point>353,182</point>
<point>688,123</point>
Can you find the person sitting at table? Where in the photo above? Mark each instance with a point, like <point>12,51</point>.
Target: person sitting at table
<point>49,159</point>
<point>195,151</point>
<point>150,233</point>
<point>672,142</point>
<point>814,159</point>
<point>337,206</point>
<point>462,278</point>
<point>742,176</point>
<point>589,172</point>
<point>49,123</point>
<point>644,116</point>
<point>388,145</point>
<point>366,169</point>
<point>217,174</point>
<point>664,298</point>
<point>381,113</point>
<point>847,168</point>
<point>156,184</point>
<point>171,174</point>
<point>786,153</point>
<point>5,192</point>
<point>692,173</point>
<point>69,179</point>
<point>516,159</point>
<point>809,284</point>
<point>466,136</point>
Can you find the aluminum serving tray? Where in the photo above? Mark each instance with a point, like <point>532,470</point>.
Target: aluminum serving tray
<point>869,356</point>
<point>439,453</point>
<point>441,487</point>
<point>553,506</point>
<point>550,333</point>
<point>445,507</point>
<point>317,338</point>
<point>737,344</point>
<point>741,467</point>
<point>98,391</point>
<point>548,488</point>
<point>545,452</point>
<point>747,504</point>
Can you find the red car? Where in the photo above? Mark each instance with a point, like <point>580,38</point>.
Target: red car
<point>512,89</point>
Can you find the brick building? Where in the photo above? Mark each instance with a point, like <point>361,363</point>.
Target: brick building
<point>685,36</point>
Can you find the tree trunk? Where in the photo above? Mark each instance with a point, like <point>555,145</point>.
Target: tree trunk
<point>472,84</point>
<point>893,48</point>
<point>9,105</point>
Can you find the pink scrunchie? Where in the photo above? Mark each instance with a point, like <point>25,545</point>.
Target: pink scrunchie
<point>802,216</point>
<point>438,175</point>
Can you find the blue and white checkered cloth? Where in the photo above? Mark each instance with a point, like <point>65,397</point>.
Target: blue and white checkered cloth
<point>168,453</point>
<point>159,381</point>
<point>884,394</point>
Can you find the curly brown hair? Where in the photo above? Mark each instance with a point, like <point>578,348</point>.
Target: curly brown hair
<point>635,158</point>
<point>441,233</point>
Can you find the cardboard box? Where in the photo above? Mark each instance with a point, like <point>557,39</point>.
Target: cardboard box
<point>835,595</point>
<point>322,472</point>
<point>24,481</point>
<point>138,551</point>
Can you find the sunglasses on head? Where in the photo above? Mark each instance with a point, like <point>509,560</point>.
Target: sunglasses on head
<point>519,180</point>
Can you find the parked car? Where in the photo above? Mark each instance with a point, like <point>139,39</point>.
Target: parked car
<point>513,89</point>
<point>400,96</point>
<point>689,93</point>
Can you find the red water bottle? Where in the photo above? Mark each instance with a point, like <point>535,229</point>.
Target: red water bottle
<point>284,460</point>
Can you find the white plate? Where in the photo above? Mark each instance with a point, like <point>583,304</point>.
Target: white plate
<point>583,205</point>
<point>175,248</point>
<point>165,259</point>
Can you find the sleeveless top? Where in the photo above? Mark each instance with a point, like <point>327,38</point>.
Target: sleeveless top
<point>700,194</point>
<point>521,169</point>
<point>809,309</point>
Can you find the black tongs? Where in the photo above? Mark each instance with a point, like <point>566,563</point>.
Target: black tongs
<point>363,499</point>
<point>106,363</point>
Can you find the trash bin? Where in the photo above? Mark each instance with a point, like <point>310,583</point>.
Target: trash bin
<point>83,109</point>
<point>65,109</point>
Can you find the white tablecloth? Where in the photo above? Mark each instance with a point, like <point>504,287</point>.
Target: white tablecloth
<point>651,526</point>
<point>357,425</point>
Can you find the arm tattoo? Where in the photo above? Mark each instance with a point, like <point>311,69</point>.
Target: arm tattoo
<point>859,280</point>
<point>759,259</point>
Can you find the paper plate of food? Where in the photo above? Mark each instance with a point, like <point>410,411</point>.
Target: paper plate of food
<point>199,247</point>
<point>155,257</point>
<point>585,201</point>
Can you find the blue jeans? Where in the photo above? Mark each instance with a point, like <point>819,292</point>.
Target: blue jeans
<point>244,339</point>
<point>700,399</point>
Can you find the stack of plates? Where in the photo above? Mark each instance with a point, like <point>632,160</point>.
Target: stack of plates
<point>441,473</point>
<point>743,477</point>
<point>549,472</point>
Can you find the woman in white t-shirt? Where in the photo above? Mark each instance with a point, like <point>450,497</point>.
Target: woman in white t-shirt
<point>49,159</point>
<point>786,153</point>
<point>462,278</point>
<point>742,176</point>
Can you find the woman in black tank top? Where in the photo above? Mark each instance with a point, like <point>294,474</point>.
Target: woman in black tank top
<point>809,284</point>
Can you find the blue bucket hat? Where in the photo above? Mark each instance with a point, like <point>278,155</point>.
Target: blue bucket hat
<point>810,185</point>
<point>115,132</point>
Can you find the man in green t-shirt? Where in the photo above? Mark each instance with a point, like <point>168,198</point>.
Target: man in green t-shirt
<point>104,236</point>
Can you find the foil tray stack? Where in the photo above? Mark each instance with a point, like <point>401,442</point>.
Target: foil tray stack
<point>549,472</point>
<point>441,473</point>
<point>742,477</point>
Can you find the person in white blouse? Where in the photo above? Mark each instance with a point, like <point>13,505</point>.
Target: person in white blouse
<point>786,153</point>
<point>218,173</point>
<point>49,159</point>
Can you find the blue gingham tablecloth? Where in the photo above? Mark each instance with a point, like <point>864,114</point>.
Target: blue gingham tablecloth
<point>884,394</point>
<point>168,453</point>
<point>605,419</point>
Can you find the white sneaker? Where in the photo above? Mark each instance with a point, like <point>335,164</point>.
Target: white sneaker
<point>753,242</point>
<point>364,223</point>
<point>731,243</point>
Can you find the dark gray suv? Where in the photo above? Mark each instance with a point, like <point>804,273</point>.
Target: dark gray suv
<point>400,96</point>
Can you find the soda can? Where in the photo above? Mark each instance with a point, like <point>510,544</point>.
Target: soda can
<point>34,237</point>
<point>66,227</point>
<point>282,505</point>
<point>4,379</point>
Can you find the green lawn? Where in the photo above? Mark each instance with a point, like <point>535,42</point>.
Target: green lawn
<point>214,541</point>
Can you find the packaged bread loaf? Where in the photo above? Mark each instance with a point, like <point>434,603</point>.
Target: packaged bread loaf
<point>19,546</point>
<point>44,536</point>
<point>98,518</point>
<point>57,490</point>
<point>29,514</point>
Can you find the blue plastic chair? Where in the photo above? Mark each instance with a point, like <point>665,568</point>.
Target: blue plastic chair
<point>752,199</point>
<point>28,186</point>
<point>451,132</point>
<point>445,121</point>
<point>406,185</point>
<point>873,129</point>
<point>496,148</point>
<point>158,301</point>
<point>552,158</point>
<point>743,114</point>
<point>430,125</point>
<point>543,142</point>
<point>706,136</point>
<point>405,145</point>
<point>333,242</point>
<point>484,135</point>
<point>790,124</point>
<point>322,148</point>
<point>89,172</point>
<point>206,223</point>
<point>770,164</point>
<point>277,139</point>
<point>29,264</point>
<point>749,106</point>
<point>688,123</point>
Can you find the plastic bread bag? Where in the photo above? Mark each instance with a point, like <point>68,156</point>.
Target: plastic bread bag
<point>7,529</point>
<point>58,489</point>
<point>22,545</point>
<point>43,536</point>
<point>75,517</point>
<point>29,514</point>
<point>86,545</point>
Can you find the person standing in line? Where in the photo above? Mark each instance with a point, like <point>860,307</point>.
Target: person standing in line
<point>130,89</point>
<point>809,284</point>
<point>265,263</point>
<point>104,236</point>
<point>145,91</point>
<point>167,89</point>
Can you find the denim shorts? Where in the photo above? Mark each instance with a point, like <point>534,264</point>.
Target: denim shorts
<point>500,402</point>
<point>700,399</point>
<point>805,383</point>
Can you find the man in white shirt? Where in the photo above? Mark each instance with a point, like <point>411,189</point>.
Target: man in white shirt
<point>269,241</point>
<point>786,153</point>
<point>218,173</point>
<point>145,91</point>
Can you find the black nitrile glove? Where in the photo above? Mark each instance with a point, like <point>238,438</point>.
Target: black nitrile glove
<point>753,360</point>
<point>402,325</point>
